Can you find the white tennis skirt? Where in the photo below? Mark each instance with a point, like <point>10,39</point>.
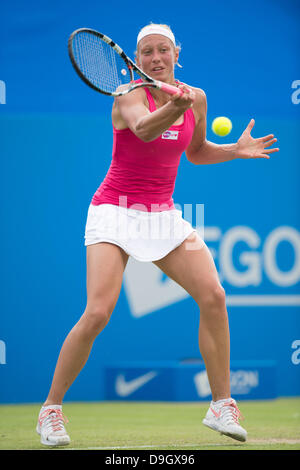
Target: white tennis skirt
<point>146,236</point>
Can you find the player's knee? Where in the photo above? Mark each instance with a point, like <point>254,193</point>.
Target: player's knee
<point>95,318</point>
<point>214,299</point>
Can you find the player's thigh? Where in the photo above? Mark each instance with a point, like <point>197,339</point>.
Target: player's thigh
<point>106,263</point>
<point>191,265</point>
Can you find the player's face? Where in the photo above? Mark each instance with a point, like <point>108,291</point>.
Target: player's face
<point>156,56</point>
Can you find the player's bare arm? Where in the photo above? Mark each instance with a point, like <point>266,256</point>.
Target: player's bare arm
<point>202,152</point>
<point>131,111</point>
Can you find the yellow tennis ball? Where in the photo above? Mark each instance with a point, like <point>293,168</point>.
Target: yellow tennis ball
<point>221,126</point>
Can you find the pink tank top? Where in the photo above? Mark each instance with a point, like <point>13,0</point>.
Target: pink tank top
<point>142,174</point>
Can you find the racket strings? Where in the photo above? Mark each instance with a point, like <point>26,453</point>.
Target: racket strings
<point>99,62</point>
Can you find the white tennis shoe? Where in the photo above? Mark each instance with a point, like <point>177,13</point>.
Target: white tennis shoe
<point>51,427</point>
<point>224,418</point>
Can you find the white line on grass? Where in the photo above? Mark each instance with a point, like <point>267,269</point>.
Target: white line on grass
<point>208,444</point>
<point>157,446</point>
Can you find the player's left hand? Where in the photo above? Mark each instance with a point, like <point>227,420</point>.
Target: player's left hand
<point>248,147</point>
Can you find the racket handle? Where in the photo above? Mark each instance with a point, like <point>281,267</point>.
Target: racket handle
<point>170,89</point>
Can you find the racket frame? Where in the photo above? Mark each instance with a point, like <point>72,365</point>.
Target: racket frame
<point>131,66</point>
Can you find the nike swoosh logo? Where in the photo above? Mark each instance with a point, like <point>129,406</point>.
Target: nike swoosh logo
<point>125,388</point>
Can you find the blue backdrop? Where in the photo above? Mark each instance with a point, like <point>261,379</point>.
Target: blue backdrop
<point>55,144</point>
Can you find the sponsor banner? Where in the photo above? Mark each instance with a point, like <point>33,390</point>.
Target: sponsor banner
<point>255,271</point>
<point>148,381</point>
<point>186,382</point>
<point>248,380</point>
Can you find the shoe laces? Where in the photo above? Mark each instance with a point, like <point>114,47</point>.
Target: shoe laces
<point>53,418</point>
<point>231,413</point>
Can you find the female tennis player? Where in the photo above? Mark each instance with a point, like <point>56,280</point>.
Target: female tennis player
<point>151,131</point>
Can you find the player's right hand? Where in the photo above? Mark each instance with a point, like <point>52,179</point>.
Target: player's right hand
<point>184,99</point>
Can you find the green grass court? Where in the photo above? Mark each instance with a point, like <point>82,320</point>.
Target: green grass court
<point>271,425</point>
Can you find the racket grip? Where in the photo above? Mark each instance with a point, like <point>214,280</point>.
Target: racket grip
<point>171,90</point>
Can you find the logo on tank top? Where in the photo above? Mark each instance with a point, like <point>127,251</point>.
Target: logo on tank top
<point>170,135</point>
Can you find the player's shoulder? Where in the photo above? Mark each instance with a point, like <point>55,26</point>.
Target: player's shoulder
<point>135,95</point>
<point>198,90</point>
<point>200,94</point>
<point>200,104</point>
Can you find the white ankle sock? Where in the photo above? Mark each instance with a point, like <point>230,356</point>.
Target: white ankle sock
<point>52,407</point>
<point>222,401</point>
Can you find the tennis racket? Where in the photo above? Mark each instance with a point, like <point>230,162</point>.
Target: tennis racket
<point>104,66</point>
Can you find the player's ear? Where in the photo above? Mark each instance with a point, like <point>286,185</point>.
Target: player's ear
<point>136,58</point>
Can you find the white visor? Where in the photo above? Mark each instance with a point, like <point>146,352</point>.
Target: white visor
<point>156,29</point>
